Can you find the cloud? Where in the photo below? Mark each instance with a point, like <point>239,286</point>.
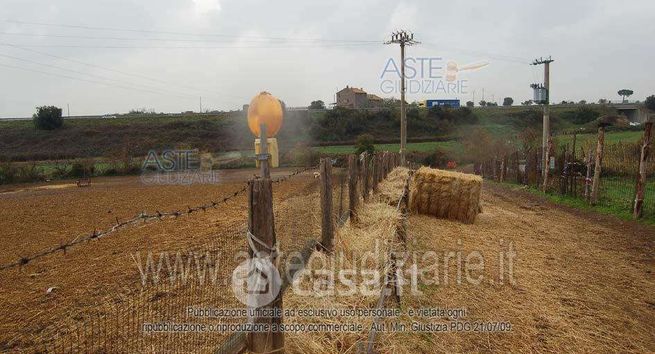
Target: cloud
<point>203,7</point>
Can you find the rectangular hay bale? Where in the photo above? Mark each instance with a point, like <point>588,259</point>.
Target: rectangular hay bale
<point>445,194</point>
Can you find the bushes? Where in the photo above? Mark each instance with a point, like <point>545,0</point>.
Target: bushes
<point>437,159</point>
<point>8,173</point>
<point>14,173</point>
<point>47,118</point>
<point>342,124</point>
<point>302,155</point>
<point>82,169</point>
<point>582,115</point>
<point>365,144</point>
<point>650,103</point>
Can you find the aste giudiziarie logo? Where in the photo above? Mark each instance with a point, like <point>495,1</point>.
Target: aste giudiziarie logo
<point>427,75</point>
<point>178,166</point>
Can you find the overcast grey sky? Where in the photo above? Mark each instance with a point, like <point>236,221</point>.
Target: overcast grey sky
<point>112,56</point>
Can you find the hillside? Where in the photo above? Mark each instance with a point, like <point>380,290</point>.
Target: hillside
<point>135,135</point>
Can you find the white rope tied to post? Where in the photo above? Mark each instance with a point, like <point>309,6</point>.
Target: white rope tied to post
<point>272,251</point>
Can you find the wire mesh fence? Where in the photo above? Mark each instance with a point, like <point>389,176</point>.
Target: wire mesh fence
<point>571,171</point>
<point>170,310</point>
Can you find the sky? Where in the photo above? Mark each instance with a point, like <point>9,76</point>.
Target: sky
<point>104,57</point>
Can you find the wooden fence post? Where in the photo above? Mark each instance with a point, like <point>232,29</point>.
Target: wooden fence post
<point>365,177</point>
<point>353,198</point>
<point>546,171</point>
<point>597,169</point>
<point>587,182</point>
<point>376,171</point>
<point>327,225</point>
<point>502,168</point>
<point>518,168</point>
<point>261,225</point>
<point>641,177</point>
<point>564,172</point>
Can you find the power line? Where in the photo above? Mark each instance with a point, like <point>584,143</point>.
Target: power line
<point>91,75</point>
<point>263,40</point>
<point>98,28</point>
<point>101,67</point>
<point>193,47</point>
<point>82,79</point>
<point>501,57</point>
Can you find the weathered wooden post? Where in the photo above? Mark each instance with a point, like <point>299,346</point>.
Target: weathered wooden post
<point>365,177</point>
<point>587,182</point>
<point>375,160</point>
<point>261,227</point>
<point>564,172</point>
<point>353,198</point>
<point>518,168</point>
<point>641,176</point>
<point>327,224</point>
<point>597,169</point>
<point>263,155</point>
<point>502,169</point>
<point>545,173</point>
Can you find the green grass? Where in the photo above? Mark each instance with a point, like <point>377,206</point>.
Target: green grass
<point>428,146</point>
<point>616,196</point>
<point>610,138</point>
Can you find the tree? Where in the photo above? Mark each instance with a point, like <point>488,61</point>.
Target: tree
<point>365,144</point>
<point>470,104</point>
<point>602,101</point>
<point>483,103</point>
<point>582,102</point>
<point>47,118</point>
<point>508,101</point>
<point>476,144</point>
<point>625,93</point>
<point>527,103</point>
<point>317,105</point>
<point>650,102</point>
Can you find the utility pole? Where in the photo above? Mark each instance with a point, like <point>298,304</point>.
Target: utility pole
<point>473,97</point>
<point>483,93</point>
<point>403,38</point>
<point>546,122</point>
<point>200,104</point>
<point>68,109</point>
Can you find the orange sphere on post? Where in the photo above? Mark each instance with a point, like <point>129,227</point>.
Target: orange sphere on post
<point>265,109</point>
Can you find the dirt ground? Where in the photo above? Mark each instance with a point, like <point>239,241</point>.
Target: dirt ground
<point>104,270</point>
<point>581,282</point>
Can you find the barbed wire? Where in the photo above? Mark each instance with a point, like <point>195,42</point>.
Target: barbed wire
<point>143,216</point>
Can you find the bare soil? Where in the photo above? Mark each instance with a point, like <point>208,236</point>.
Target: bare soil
<point>581,282</point>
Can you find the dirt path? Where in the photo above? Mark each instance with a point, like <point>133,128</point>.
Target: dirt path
<point>580,282</point>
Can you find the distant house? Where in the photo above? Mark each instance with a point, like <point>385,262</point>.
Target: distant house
<point>374,101</point>
<point>352,97</point>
